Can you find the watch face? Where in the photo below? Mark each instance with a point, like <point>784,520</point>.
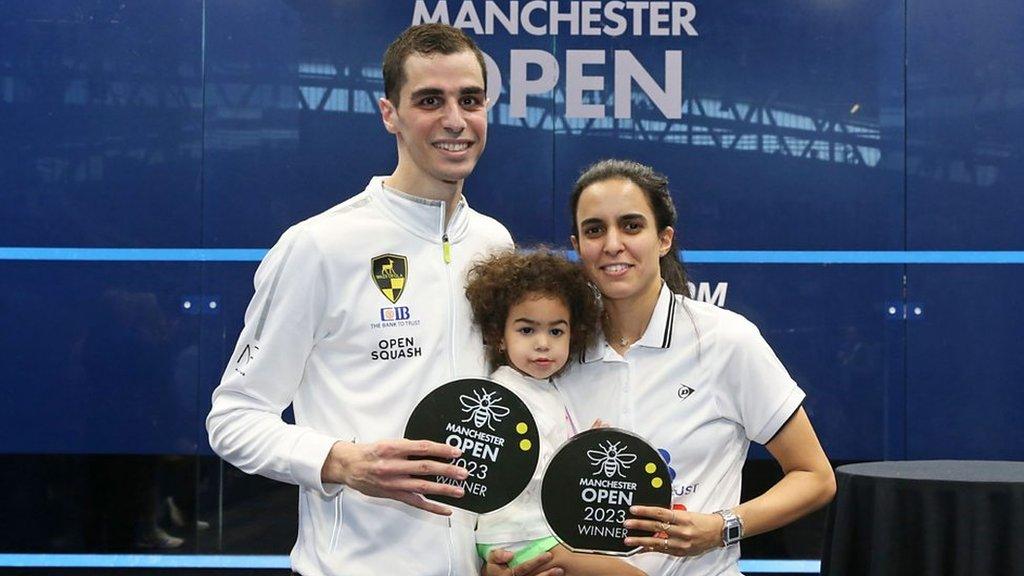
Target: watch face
<point>733,533</point>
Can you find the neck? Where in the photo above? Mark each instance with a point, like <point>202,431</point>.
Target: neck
<point>427,188</point>
<point>626,319</point>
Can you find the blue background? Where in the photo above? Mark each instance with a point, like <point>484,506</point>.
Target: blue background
<point>851,126</point>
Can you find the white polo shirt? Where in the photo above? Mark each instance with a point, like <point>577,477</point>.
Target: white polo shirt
<point>699,385</point>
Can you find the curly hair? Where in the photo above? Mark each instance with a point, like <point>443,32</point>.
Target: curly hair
<point>505,279</point>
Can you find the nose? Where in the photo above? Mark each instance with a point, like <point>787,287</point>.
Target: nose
<point>541,344</point>
<point>613,242</point>
<point>452,121</point>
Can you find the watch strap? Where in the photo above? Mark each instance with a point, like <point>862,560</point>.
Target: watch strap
<point>732,529</point>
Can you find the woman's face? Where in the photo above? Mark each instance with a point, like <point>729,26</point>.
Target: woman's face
<point>618,241</point>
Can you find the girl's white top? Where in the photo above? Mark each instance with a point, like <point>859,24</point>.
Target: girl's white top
<point>523,520</point>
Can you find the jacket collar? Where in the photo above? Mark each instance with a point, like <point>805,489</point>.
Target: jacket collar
<point>420,216</point>
<point>506,373</point>
<point>657,335</point>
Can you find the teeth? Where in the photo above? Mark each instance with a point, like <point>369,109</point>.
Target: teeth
<point>452,146</point>
<point>615,268</point>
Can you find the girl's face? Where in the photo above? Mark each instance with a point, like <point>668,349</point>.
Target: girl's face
<point>536,337</point>
<point>618,239</point>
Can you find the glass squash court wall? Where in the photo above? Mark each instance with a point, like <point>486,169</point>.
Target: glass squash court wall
<point>847,173</point>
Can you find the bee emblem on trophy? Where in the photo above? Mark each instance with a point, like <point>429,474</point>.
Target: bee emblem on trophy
<point>610,459</point>
<point>483,408</point>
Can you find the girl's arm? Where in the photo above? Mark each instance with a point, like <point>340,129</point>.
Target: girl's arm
<point>579,564</point>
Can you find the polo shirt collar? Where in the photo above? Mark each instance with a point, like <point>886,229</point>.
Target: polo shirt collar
<point>657,335</point>
<point>659,329</point>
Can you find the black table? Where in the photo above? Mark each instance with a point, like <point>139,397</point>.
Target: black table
<point>932,517</point>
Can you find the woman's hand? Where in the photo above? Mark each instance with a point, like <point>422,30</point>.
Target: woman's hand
<point>808,483</point>
<point>675,532</point>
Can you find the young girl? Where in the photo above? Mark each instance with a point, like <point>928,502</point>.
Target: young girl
<point>535,310</point>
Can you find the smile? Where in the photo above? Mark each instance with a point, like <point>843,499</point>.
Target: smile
<point>616,268</point>
<point>452,146</point>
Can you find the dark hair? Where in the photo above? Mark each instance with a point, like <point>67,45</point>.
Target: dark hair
<point>424,39</point>
<point>655,189</point>
<point>503,280</point>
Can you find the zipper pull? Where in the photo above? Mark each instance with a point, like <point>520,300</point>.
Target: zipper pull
<point>447,249</point>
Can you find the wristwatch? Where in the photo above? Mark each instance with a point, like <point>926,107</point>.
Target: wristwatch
<point>732,531</point>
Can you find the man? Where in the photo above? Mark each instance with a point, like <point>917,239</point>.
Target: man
<point>358,313</point>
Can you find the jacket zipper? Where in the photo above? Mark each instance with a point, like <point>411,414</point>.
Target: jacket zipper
<point>451,548</point>
<point>446,256</point>
<point>570,422</point>
<point>446,250</point>
<point>446,253</point>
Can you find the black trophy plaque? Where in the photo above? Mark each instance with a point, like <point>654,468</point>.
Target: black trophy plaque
<point>591,482</point>
<point>496,433</point>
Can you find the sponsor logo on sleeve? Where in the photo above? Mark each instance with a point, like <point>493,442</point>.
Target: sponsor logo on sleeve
<point>246,356</point>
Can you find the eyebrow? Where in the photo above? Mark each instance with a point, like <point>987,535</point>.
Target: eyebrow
<point>531,321</point>
<point>626,217</point>
<point>468,90</point>
<point>426,92</point>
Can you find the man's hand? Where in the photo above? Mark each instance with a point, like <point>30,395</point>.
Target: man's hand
<point>383,469</point>
<point>498,559</point>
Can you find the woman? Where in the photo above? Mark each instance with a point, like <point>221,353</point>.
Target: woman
<point>697,381</point>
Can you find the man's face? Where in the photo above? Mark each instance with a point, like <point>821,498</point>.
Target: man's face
<point>440,120</point>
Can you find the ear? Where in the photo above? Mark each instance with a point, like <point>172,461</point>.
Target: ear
<point>575,243</point>
<point>501,345</point>
<point>666,236</point>
<point>388,114</point>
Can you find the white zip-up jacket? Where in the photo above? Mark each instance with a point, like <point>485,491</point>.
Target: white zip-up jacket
<point>358,313</point>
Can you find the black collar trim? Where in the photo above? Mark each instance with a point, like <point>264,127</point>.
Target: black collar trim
<point>666,340</point>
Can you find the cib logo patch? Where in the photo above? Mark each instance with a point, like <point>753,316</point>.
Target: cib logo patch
<point>396,313</point>
<point>389,273</point>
